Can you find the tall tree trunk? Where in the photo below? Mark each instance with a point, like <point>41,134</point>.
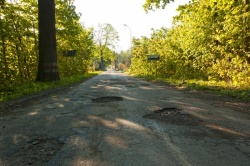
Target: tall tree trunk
<point>102,60</point>
<point>247,28</point>
<point>47,67</point>
<point>3,50</point>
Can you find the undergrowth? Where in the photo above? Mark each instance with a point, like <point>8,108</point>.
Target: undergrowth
<point>236,91</point>
<point>216,87</point>
<point>35,87</point>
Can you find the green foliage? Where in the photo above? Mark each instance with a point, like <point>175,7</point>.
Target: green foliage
<point>105,37</point>
<point>221,87</point>
<point>107,58</point>
<point>123,60</point>
<point>18,30</point>
<point>19,42</point>
<point>32,87</point>
<point>207,42</point>
<point>71,35</point>
<point>152,4</point>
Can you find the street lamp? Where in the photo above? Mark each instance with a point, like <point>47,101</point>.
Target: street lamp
<point>130,38</point>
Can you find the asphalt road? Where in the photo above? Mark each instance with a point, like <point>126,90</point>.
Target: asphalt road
<point>117,120</point>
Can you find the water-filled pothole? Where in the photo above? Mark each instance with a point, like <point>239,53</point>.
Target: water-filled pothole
<point>174,116</point>
<point>106,99</point>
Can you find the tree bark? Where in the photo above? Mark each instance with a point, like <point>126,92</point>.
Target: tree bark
<point>47,67</point>
<point>102,67</point>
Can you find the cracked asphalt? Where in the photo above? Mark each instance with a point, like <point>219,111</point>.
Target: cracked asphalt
<point>117,120</point>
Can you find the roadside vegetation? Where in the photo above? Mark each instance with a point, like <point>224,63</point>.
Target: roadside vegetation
<point>215,87</point>
<point>208,47</point>
<point>30,88</point>
<point>19,51</point>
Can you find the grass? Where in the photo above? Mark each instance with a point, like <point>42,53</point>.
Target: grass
<point>35,87</point>
<point>236,91</point>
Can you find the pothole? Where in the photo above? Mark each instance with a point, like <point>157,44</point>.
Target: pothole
<point>118,83</point>
<point>173,115</point>
<point>106,99</point>
<point>167,111</point>
<point>36,151</point>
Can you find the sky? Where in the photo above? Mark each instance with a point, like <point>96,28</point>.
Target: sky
<point>129,12</point>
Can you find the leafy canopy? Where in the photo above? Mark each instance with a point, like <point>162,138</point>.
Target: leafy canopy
<point>155,4</point>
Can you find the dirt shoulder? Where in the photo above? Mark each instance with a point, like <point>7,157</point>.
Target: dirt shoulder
<point>235,104</point>
<point>7,107</point>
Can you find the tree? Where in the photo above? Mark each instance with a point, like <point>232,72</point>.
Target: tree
<point>19,33</point>
<point>47,67</point>
<point>151,4</point>
<point>105,36</point>
<point>123,60</point>
<point>208,41</point>
<point>72,35</point>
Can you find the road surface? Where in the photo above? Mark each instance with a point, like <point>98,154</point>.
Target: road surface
<point>117,120</point>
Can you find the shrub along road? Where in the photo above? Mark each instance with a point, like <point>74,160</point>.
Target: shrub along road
<point>114,119</point>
